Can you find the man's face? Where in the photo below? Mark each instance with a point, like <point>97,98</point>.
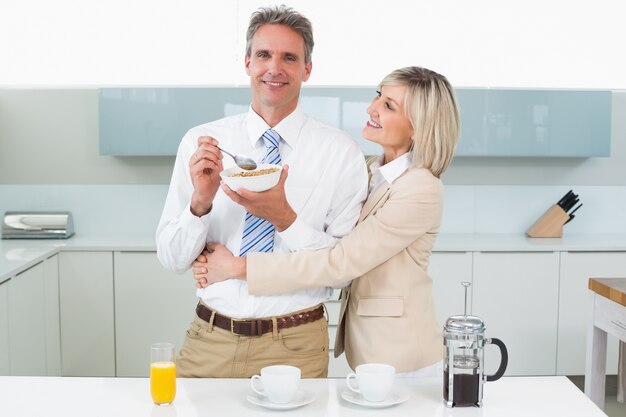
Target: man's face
<point>276,68</point>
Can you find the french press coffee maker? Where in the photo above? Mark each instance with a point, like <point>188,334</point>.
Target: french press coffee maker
<point>464,340</point>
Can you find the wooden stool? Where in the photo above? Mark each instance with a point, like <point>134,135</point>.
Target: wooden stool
<point>608,296</point>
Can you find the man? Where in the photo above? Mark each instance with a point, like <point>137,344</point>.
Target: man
<point>318,202</point>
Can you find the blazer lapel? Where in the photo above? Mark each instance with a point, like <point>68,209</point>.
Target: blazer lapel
<point>373,200</point>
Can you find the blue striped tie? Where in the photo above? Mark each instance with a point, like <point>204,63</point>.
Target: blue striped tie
<point>258,234</point>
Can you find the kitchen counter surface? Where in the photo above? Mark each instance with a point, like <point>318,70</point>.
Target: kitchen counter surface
<point>17,255</point>
<point>20,254</point>
<point>522,243</point>
<point>67,397</point>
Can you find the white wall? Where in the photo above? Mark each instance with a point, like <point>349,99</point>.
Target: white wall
<point>481,43</point>
<point>124,210</point>
<point>50,136</point>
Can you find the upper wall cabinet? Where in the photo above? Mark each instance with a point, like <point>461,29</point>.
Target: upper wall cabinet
<point>534,123</point>
<point>152,121</point>
<point>494,122</point>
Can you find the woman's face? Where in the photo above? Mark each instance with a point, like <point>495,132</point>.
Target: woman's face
<point>388,125</point>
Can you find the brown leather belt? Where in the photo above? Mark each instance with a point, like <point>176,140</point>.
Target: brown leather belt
<point>258,327</point>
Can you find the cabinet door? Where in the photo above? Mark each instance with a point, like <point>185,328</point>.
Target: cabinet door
<point>86,306</point>
<point>4,328</point>
<point>151,305</point>
<point>516,295</point>
<point>27,333</point>
<point>51,316</point>
<point>448,270</point>
<point>575,310</point>
<point>337,367</point>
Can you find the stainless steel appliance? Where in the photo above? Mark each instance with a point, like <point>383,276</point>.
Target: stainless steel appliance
<point>37,225</point>
<point>463,378</point>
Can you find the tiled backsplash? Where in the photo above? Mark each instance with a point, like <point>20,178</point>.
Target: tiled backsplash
<point>495,122</point>
<point>112,210</point>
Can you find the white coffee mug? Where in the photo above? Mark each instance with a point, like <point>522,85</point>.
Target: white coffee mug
<point>279,382</point>
<point>374,381</point>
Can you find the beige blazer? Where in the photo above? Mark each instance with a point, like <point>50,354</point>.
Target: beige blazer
<point>387,313</point>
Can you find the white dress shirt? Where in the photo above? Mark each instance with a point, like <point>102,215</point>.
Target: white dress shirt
<point>389,172</point>
<point>326,187</point>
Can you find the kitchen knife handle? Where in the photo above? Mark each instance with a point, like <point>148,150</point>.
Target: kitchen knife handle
<point>574,211</point>
<point>564,197</point>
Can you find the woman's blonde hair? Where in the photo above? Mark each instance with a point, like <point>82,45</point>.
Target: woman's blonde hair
<point>430,105</point>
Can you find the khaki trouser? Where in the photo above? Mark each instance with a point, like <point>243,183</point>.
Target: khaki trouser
<point>211,352</point>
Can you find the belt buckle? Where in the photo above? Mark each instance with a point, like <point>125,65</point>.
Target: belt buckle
<point>232,326</point>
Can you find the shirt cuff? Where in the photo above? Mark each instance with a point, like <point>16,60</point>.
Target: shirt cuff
<point>191,221</point>
<point>298,236</point>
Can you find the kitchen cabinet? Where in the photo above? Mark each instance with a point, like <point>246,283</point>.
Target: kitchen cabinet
<point>575,311</point>
<point>526,299</point>
<point>51,316</point>
<point>337,367</point>
<point>516,294</point>
<point>448,270</point>
<point>523,122</point>
<point>27,331</point>
<point>4,328</point>
<point>86,310</point>
<point>29,325</point>
<point>124,114</point>
<point>151,305</point>
<point>496,122</point>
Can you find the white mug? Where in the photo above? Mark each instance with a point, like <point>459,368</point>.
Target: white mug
<point>280,383</point>
<point>374,381</point>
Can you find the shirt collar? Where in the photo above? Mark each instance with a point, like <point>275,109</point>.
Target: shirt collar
<point>392,170</point>
<point>288,128</point>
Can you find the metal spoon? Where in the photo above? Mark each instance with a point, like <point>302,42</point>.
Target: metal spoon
<point>242,161</point>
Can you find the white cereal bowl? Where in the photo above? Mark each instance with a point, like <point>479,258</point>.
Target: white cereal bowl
<point>252,183</point>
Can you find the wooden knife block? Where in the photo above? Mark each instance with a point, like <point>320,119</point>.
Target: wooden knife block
<point>550,224</point>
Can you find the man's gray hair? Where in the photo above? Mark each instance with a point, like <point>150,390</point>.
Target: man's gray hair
<point>281,15</point>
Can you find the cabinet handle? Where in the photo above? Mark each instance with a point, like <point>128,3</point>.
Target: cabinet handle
<point>619,324</point>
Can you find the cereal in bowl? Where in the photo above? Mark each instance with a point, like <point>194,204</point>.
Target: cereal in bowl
<point>254,173</point>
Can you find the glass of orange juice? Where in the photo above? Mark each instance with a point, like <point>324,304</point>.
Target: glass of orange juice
<point>162,373</point>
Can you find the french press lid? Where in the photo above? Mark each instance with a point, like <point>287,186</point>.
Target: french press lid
<point>465,324</point>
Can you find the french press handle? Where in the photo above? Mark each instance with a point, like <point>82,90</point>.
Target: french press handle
<point>504,360</point>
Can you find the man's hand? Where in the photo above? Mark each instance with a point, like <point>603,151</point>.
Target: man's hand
<point>205,166</point>
<point>271,205</point>
<point>216,264</point>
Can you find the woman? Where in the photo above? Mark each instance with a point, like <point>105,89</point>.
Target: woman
<point>387,313</point>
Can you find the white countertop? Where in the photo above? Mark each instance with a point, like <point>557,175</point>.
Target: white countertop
<point>17,255</point>
<point>496,242</point>
<point>20,254</point>
<point>119,397</point>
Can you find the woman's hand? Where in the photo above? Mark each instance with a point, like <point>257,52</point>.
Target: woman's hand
<point>217,264</point>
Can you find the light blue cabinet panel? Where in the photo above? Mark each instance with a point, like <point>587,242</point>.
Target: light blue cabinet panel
<point>559,123</point>
<point>151,121</point>
<point>472,103</point>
